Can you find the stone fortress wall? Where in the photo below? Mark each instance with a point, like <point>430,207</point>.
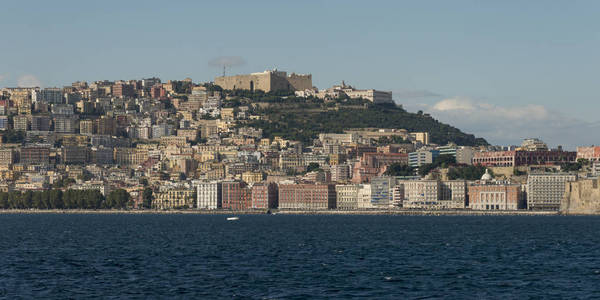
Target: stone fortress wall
<point>267,81</point>
<point>581,197</point>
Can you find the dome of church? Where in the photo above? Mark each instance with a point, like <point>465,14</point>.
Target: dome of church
<point>486,176</point>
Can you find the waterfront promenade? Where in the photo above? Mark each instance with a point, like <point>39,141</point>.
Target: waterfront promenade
<point>289,212</point>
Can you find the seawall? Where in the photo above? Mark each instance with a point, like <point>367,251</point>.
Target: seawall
<point>292,212</point>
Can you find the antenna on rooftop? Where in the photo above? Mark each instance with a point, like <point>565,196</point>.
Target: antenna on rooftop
<point>226,62</point>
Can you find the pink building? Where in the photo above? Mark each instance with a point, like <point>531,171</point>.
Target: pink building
<point>265,195</point>
<point>123,90</point>
<point>235,195</point>
<point>307,196</point>
<point>590,153</point>
<point>522,158</point>
<point>374,164</point>
<point>157,92</point>
<point>496,196</point>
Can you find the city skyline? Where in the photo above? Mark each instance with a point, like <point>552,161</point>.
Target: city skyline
<point>503,71</point>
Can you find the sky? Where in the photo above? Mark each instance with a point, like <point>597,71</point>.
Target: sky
<point>502,70</point>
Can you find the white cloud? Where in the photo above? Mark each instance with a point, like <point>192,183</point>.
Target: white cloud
<point>407,94</point>
<point>508,125</point>
<point>28,81</point>
<point>454,104</point>
<point>477,109</point>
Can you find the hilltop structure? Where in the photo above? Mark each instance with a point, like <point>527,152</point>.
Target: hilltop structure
<point>345,90</point>
<point>267,81</point>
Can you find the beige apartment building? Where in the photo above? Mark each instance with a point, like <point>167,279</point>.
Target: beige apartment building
<point>130,156</point>
<point>252,177</point>
<point>545,191</point>
<point>347,196</point>
<point>175,198</point>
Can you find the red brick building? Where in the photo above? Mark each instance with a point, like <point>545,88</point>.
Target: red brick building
<point>75,155</point>
<point>157,92</point>
<point>523,158</point>
<point>123,90</point>
<point>307,196</point>
<point>236,195</point>
<point>106,125</point>
<point>372,164</point>
<point>358,150</point>
<point>35,155</point>
<point>265,195</point>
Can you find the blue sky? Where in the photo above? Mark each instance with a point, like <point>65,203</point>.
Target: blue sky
<point>504,70</point>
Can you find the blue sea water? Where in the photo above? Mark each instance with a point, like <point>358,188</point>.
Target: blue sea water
<point>298,257</point>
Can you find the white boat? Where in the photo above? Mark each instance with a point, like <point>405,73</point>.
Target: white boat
<point>232,218</point>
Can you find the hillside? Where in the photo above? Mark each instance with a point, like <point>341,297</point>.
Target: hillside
<point>303,119</point>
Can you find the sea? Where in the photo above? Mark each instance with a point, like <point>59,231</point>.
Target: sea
<point>183,256</point>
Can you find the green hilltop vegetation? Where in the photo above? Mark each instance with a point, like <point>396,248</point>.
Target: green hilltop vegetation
<point>303,119</point>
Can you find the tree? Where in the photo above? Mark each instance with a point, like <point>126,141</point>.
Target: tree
<point>63,182</point>
<point>13,136</point>
<point>516,172</point>
<point>583,161</point>
<point>395,139</point>
<point>212,87</point>
<point>4,200</point>
<point>85,176</point>
<point>147,197</point>
<point>443,161</point>
<point>312,167</point>
<point>398,169</point>
<point>56,199</point>
<point>207,116</point>
<point>94,199</point>
<point>38,201</point>
<point>466,172</point>
<point>27,199</point>
<point>118,198</point>
<point>424,169</point>
<point>571,167</point>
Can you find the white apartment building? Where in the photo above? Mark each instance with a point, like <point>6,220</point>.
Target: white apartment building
<point>353,196</point>
<point>364,196</point>
<point>208,195</point>
<point>338,138</point>
<point>421,157</point>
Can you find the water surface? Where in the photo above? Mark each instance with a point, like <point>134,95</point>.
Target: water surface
<point>287,256</point>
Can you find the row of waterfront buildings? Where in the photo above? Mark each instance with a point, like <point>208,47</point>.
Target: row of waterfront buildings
<point>543,191</point>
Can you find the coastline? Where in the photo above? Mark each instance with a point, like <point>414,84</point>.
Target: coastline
<point>297,212</point>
